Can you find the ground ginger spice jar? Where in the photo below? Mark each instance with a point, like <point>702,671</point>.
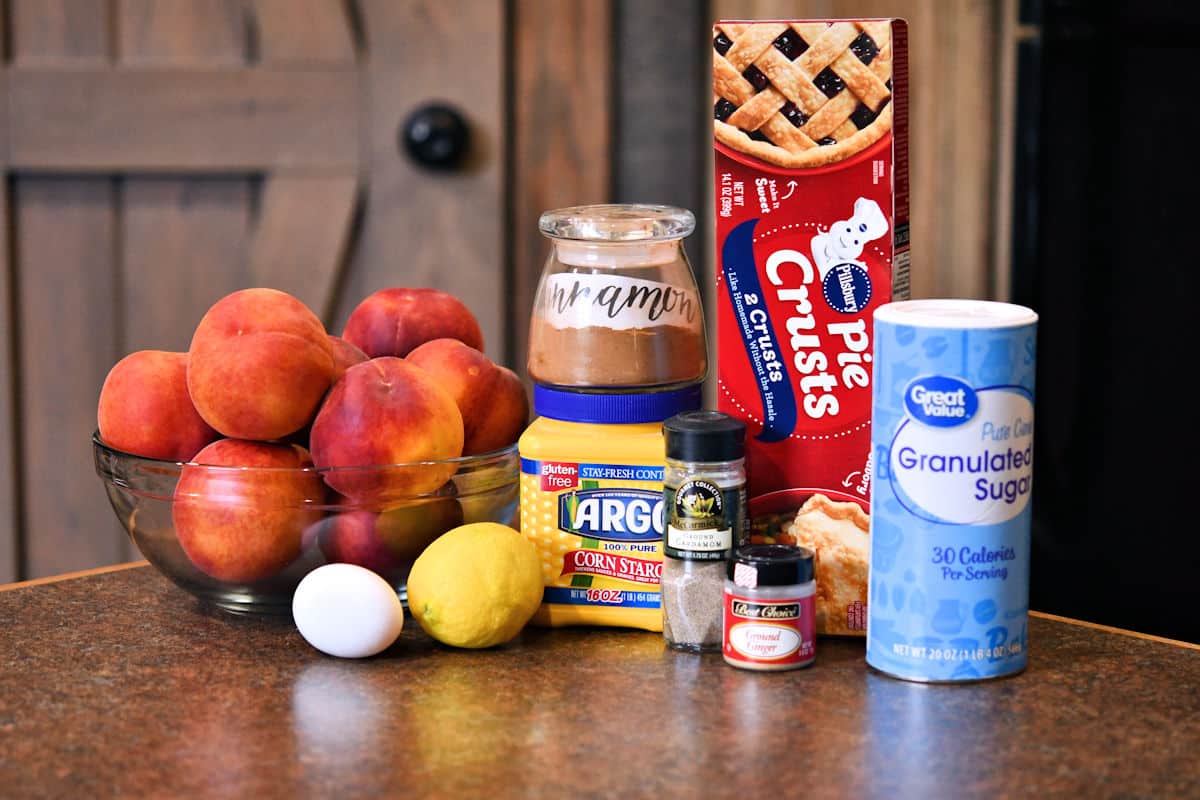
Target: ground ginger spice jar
<point>770,608</point>
<point>592,503</point>
<point>617,306</point>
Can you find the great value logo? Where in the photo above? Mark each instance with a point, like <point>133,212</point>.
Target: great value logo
<point>941,401</point>
<point>617,515</point>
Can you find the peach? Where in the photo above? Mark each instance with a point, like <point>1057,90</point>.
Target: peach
<point>345,355</point>
<point>505,418</point>
<point>350,538</point>
<point>145,409</point>
<point>386,411</point>
<point>259,364</point>
<point>491,398</point>
<point>407,529</point>
<point>388,541</point>
<point>391,322</point>
<point>238,522</point>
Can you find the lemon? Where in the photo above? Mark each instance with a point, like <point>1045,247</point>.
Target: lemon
<point>476,585</point>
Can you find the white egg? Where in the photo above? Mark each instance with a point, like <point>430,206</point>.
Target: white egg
<point>347,611</point>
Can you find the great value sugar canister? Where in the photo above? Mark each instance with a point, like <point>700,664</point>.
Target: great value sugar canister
<point>952,438</point>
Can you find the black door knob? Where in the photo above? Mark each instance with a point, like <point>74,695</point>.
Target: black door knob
<point>436,136</point>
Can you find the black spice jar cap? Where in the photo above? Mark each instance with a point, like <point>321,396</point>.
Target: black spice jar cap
<point>705,437</point>
<point>772,565</point>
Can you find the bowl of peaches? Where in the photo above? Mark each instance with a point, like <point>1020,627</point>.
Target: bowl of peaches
<point>271,447</point>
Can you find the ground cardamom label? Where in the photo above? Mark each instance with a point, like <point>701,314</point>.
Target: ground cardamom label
<point>705,522</point>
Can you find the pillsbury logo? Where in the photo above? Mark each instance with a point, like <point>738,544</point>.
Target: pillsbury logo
<point>940,401</point>
<point>847,288</point>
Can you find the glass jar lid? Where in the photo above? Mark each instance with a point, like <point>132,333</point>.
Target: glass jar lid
<point>621,408</point>
<point>618,223</point>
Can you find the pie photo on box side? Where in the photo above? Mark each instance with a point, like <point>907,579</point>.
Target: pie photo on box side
<point>837,531</point>
<point>802,94</point>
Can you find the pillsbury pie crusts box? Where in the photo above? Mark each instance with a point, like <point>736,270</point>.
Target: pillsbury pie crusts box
<point>810,139</point>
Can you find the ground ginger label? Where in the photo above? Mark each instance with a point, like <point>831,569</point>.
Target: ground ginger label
<point>599,530</point>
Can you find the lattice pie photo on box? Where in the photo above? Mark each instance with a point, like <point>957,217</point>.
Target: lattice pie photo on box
<point>802,94</point>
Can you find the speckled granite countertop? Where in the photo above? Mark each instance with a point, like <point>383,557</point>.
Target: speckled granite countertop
<point>122,684</point>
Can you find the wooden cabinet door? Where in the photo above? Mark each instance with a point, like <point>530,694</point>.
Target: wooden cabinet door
<point>161,153</point>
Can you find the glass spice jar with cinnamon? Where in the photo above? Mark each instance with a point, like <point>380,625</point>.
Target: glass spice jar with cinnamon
<point>617,307</point>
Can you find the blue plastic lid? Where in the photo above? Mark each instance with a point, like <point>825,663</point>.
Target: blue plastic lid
<point>614,407</point>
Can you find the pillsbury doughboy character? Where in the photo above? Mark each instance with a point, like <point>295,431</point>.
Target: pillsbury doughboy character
<point>845,240</point>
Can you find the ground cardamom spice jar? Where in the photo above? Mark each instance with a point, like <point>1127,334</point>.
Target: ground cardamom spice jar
<point>704,493</point>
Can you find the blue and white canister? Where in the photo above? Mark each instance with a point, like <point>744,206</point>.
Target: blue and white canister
<point>952,445</point>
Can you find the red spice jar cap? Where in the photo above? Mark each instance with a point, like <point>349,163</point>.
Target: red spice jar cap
<point>756,565</point>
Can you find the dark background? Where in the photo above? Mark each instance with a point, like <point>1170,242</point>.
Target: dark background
<point>1104,241</point>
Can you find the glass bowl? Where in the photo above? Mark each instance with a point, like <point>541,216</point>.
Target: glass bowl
<point>249,571</point>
